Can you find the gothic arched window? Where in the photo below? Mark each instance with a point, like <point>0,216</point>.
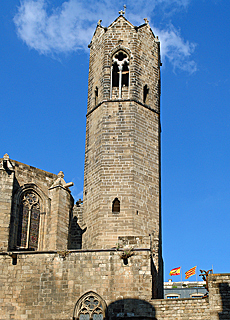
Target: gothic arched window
<point>116,206</point>
<point>90,307</point>
<point>119,75</point>
<point>28,221</point>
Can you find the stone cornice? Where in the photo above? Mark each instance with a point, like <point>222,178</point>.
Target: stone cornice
<point>123,100</point>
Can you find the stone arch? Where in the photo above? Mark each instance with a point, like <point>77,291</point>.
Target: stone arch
<point>27,187</point>
<point>120,48</point>
<point>90,306</point>
<point>30,204</point>
<point>120,73</point>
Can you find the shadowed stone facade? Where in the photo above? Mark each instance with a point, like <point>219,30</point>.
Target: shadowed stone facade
<point>100,259</point>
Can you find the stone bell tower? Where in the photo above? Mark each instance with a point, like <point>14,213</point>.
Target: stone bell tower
<point>122,180</point>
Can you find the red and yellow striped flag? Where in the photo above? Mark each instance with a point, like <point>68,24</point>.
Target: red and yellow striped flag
<point>190,272</point>
<point>175,272</point>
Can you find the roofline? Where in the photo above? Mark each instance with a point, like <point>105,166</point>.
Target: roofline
<point>134,27</point>
<point>27,165</point>
<point>123,18</point>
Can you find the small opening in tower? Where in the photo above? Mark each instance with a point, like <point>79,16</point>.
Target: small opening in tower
<point>116,206</point>
<point>14,259</point>
<point>96,96</point>
<point>146,94</point>
<point>137,212</point>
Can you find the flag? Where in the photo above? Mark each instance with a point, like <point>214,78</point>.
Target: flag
<point>175,272</point>
<point>190,272</point>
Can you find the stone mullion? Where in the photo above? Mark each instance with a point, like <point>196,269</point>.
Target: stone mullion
<point>111,82</point>
<point>120,79</point>
<point>28,227</point>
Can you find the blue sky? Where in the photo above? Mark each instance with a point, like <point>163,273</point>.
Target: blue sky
<point>43,94</point>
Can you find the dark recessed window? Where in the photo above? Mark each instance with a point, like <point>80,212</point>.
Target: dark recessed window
<point>96,96</point>
<point>116,206</point>
<point>146,94</point>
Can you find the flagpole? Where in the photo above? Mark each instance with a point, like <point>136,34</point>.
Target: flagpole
<point>196,283</point>
<point>181,276</point>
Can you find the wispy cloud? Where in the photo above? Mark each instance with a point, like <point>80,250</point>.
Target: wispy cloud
<point>69,27</point>
<point>176,50</point>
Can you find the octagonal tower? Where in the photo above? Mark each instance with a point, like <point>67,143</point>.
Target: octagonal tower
<point>122,154</point>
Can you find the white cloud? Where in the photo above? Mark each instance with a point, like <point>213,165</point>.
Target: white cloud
<point>176,50</point>
<point>69,27</point>
<point>60,31</point>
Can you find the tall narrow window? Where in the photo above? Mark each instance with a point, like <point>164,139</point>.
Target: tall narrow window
<point>28,224</point>
<point>116,206</point>
<point>146,94</point>
<point>119,75</point>
<point>96,96</point>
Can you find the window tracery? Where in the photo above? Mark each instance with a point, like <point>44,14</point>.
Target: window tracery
<point>119,75</point>
<point>28,223</point>
<point>90,307</point>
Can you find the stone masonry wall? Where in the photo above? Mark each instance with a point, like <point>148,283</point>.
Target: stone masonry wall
<point>77,227</point>
<point>219,296</point>
<point>48,285</point>
<point>178,309</point>
<point>6,191</point>
<point>55,204</point>
<point>57,231</point>
<point>122,161</point>
<point>29,178</point>
<point>182,309</point>
<point>25,174</point>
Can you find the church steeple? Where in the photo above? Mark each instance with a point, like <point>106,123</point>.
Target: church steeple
<point>117,52</point>
<point>122,153</point>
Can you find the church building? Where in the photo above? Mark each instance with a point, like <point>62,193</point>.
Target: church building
<point>100,258</point>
